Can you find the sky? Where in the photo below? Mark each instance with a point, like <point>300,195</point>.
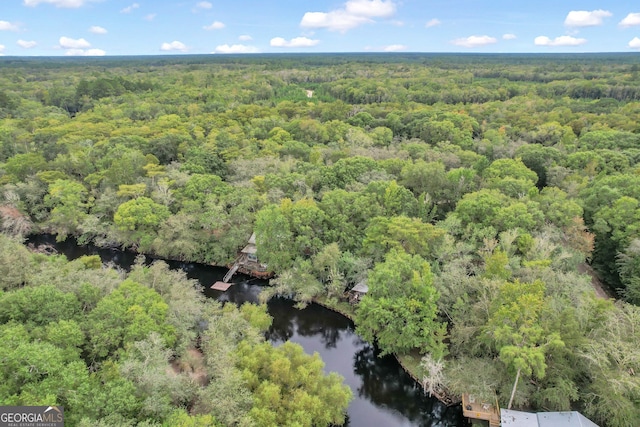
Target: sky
<point>157,27</point>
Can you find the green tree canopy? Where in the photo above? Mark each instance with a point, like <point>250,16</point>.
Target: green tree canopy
<point>516,330</point>
<point>128,314</point>
<point>400,309</point>
<point>290,387</point>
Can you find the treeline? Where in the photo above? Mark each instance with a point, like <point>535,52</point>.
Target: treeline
<point>88,91</point>
<point>146,348</point>
<point>103,87</point>
<point>467,203</point>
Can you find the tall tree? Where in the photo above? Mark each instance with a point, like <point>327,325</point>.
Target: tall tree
<point>400,309</point>
<point>69,206</point>
<point>140,219</point>
<point>517,333</point>
<point>290,387</point>
<point>274,238</point>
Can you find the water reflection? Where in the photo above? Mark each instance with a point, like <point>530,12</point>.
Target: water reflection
<point>385,383</point>
<point>310,322</point>
<point>384,395</point>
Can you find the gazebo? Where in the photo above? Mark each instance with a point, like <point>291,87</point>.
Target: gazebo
<point>358,291</point>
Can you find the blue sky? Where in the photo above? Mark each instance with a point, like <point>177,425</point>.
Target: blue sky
<point>153,27</point>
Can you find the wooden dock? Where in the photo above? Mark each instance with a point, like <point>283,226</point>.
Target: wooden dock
<point>225,284</point>
<point>221,286</point>
<point>476,410</point>
<point>231,272</point>
<point>246,263</point>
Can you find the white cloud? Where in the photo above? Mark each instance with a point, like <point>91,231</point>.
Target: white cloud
<point>337,20</point>
<point>432,23</point>
<point>509,36</point>
<point>371,8</point>
<point>88,52</point>
<point>631,20</point>
<point>150,17</point>
<point>245,38</point>
<point>474,41</point>
<point>559,41</point>
<point>583,18</point>
<point>236,48</point>
<point>130,8</point>
<point>26,44</point>
<point>174,45</point>
<point>353,14</point>
<point>1,49</point>
<point>394,48</point>
<point>57,3</point>
<point>69,43</point>
<point>295,42</point>
<point>397,23</point>
<point>215,25</point>
<point>8,26</point>
<point>635,43</point>
<point>97,30</point>
<point>204,5</point>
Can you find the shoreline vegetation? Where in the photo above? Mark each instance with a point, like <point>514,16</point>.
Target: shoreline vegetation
<point>466,191</point>
<point>409,362</point>
<point>144,346</point>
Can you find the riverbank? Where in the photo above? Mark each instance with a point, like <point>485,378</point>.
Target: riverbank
<point>384,393</point>
<point>409,362</point>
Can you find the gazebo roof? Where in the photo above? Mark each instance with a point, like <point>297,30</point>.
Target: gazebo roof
<point>361,287</point>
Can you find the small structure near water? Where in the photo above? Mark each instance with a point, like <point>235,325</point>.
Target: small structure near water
<point>246,263</point>
<point>480,413</point>
<point>358,291</point>
<point>221,286</point>
<point>490,415</point>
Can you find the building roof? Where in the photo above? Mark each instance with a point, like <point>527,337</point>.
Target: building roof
<point>562,419</point>
<point>361,287</point>
<point>249,249</point>
<point>511,418</point>
<point>252,239</point>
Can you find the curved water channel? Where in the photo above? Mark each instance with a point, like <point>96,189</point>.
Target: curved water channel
<point>384,395</point>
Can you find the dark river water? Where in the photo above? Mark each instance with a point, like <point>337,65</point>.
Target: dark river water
<point>384,395</point>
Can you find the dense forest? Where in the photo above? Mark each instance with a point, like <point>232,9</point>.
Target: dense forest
<point>146,348</point>
<point>470,192</point>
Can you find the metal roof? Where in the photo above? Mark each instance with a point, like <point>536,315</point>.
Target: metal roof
<point>252,239</point>
<point>361,287</point>
<point>562,419</point>
<point>511,418</point>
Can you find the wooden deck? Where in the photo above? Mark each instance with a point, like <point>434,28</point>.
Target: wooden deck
<point>476,410</point>
<point>257,272</point>
<point>221,286</point>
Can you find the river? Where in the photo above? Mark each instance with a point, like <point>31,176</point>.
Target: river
<point>384,395</point>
